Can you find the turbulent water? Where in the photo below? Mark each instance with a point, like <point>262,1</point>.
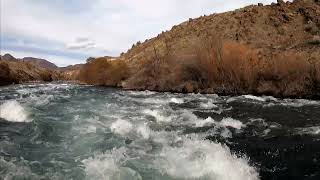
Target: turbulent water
<point>62,131</point>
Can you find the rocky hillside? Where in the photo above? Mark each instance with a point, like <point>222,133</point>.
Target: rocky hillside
<point>270,29</point>
<point>263,50</point>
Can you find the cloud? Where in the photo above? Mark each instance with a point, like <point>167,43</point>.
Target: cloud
<point>97,27</point>
<point>81,44</point>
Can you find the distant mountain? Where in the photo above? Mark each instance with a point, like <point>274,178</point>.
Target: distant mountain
<point>40,63</point>
<point>8,57</point>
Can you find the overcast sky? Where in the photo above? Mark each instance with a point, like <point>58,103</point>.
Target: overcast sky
<point>68,31</point>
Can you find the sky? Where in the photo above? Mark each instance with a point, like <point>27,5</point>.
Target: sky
<point>69,31</point>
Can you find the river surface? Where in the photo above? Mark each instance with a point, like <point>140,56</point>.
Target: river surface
<point>64,131</point>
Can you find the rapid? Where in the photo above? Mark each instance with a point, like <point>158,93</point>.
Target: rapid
<point>65,131</point>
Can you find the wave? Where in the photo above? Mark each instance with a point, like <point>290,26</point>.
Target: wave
<point>315,130</point>
<point>195,159</point>
<point>159,116</point>
<point>121,127</point>
<point>208,105</point>
<point>12,111</point>
<point>185,157</point>
<point>144,131</point>
<point>177,100</point>
<point>107,166</point>
<point>229,122</point>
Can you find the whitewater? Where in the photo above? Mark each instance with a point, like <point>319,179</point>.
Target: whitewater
<point>67,131</point>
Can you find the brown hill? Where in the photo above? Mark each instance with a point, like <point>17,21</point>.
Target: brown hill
<point>40,63</point>
<point>7,57</point>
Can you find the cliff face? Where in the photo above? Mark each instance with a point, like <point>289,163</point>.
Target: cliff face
<point>272,50</point>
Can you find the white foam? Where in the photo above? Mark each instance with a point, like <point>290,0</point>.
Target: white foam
<point>208,105</point>
<point>229,122</point>
<point>144,131</point>
<point>202,123</point>
<point>299,102</point>
<point>309,130</point>
<point>108,166</point>
<point>177,100</point>
<point>41,100</point>
<point>14,112</point>
<point>121,127</point>
<point>157,115</point>
<point>256,98</point>
<point>196,159</point>
<point>141,93</point>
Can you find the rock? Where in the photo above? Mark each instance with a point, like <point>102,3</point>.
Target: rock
<point>315,40</point>
<point>280,2</point>
<point>312,29</point>
<point>286,17</point>
<point>260,4</point>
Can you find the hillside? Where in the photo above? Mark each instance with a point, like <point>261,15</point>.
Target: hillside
<point>263,50</point>
<point>14,70</point>
<point>270,29</point>
<point>17,71</point>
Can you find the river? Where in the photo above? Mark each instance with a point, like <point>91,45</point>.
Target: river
<point>65,131</point>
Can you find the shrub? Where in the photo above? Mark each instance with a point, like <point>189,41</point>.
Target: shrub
<point>103,71</point>
<point>226,64</point>
<point>289,73</point>
<point>46,75</point>
<point>239,65</point>
<point>5,77</point>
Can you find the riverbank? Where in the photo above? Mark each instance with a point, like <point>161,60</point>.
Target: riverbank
<point>262,50</point>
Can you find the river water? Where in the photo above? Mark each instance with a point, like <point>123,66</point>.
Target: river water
<point>64,131</point>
